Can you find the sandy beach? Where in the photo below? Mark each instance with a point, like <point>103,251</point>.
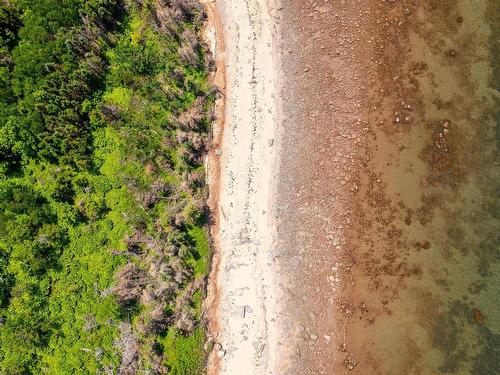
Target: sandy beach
<point>243,283</point>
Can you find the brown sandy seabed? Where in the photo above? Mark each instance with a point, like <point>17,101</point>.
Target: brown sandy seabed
<point>388,208</point>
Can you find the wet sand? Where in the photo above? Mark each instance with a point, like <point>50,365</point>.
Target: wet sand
<point>388,235</point>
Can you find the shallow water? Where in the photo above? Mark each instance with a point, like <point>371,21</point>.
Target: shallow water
<point>421,237</point>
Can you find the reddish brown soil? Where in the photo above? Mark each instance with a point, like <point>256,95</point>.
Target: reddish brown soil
<point>218,79</point>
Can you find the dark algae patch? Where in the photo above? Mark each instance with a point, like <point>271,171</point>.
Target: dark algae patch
<point>105,109</point>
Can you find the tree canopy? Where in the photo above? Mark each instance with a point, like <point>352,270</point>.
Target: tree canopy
<point>104,115</point>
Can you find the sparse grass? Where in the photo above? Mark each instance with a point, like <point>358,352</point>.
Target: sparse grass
<point>202,247</point>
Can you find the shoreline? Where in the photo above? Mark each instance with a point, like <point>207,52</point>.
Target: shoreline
<point>361,201</point>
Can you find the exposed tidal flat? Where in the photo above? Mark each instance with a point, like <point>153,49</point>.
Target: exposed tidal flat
<point>388,224</point>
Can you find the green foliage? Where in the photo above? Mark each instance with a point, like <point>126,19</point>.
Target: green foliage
<point>185,354</point>
<point>103,122</point>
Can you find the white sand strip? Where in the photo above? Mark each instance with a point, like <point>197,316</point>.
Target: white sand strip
<point>246,277</point>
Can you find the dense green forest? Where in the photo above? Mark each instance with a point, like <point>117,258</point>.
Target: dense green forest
<point>104,116</point>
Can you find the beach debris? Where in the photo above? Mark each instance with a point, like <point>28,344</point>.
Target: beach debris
<point>478,316</point>
<point>327,338</point>
<point>221,352</point>
<point>247,311</point>
<point>313,336</point>
<point>218,152</point>
<point>270,142</point>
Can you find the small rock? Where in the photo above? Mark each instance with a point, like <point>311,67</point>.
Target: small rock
<point>424,244</point>
<point>221,353</point>
<point>350,363</point>
<point>270,142</point>
<point>218,152</point>
<point>313,337</point>
<point>478,316</point>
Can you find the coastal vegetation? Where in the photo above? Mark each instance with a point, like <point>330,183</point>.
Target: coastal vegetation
<point>104,114</point>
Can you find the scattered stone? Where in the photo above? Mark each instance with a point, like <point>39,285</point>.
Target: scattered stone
<point>350,363</point>
<point>424,244</point>
<point>478,316</point>
<point>406,106</point>
<point>221,353</point>
<point>218,152</point>
<point>270,142</point>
